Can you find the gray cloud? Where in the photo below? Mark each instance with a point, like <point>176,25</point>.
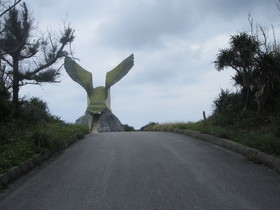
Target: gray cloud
<point>142,24</point>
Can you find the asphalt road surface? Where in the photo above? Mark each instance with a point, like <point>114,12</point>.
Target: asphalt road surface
<point>145,170</point>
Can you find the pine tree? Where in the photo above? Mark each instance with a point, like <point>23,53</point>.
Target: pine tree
<point>29,60</point>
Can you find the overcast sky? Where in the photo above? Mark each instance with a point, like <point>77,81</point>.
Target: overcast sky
<point>174,43</point>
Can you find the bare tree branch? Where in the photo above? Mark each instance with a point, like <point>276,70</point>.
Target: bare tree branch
<point>51,62</point>
<point>7,61</point>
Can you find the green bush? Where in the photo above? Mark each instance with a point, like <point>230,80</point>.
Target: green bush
<point>35,110</point>
<point>228,103</point>
<point>4,134</point>
<point>9,132</point>
<point>128,128</point>
<point>40,138</point>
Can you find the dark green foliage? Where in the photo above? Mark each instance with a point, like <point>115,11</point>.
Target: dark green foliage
<point>81,134</point>
<point>227,102</point>
<point>35,110</point>
<point>227,106</point>
<point>17,31</point>
<point>32,112</point>
<point>67,37</point>
<point>128,128</point>
<point>240,56</point>
<point>267,73</point>
<point>45,76</point>
<point>6,132</point>
<point>40,138</point>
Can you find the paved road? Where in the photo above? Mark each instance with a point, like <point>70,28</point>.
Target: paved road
<point>145,170</point>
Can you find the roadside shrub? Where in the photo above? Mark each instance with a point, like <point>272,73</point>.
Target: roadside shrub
<point>227,108</point>
<point>4,135</point>
<point>35,110</point>
<point>128,128</point>
<point>40,138</point>
<point>9,132</point>
<point>227,102</point>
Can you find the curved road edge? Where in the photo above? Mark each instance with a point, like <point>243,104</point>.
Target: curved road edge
<point>252,154</point>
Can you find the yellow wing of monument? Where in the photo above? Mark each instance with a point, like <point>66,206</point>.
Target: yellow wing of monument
<point>119,71</point>
<point>79,74</point>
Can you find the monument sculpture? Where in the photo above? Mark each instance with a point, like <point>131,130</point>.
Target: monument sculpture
<point>98,116</point>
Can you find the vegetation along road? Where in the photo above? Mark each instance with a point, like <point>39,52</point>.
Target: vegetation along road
<point>145,170</point>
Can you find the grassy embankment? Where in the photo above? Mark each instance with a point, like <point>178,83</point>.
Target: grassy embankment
<point>20,141</point>
<point>259,132</point>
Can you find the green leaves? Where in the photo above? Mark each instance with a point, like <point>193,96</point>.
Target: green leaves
<point>241,53</point>
<point>67,36</point>
<point>46,76</point>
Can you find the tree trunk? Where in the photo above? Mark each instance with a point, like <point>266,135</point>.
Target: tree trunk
<point>246,89</point>
<point>15,81</point>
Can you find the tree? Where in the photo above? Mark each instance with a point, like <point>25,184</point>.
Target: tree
<point>256,61</point>
<point>267,75</point>
<point>4,101</point>
<point>240,56</point>
<point>4,9</point>
<point>26,59</point>
<point>5,106</point>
